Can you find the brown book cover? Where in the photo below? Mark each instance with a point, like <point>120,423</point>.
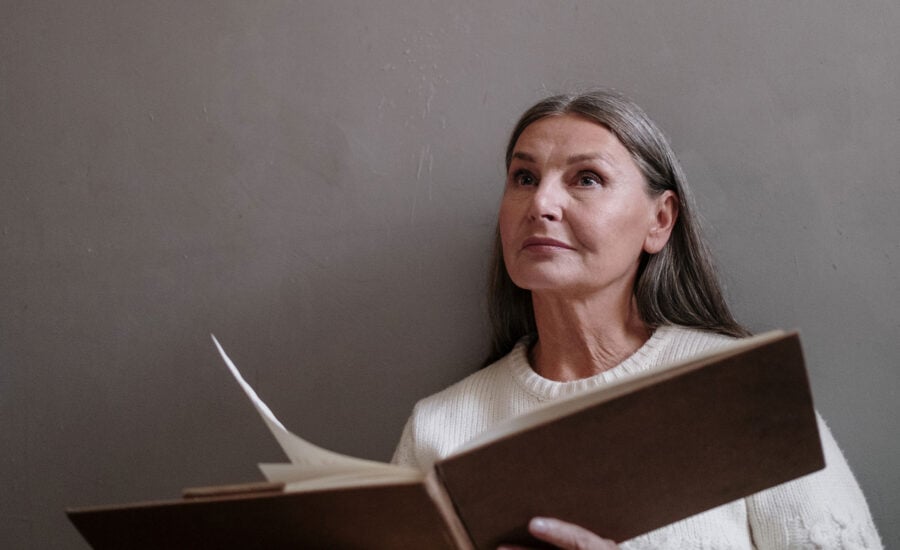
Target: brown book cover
<point>694,438</point>
<point>380,517</point>
<point>621,461</point>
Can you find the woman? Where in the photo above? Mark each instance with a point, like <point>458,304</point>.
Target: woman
<point>600,272</point>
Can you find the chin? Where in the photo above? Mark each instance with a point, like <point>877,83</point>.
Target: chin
<point>537,282</point>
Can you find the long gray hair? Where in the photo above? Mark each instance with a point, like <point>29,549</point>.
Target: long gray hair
<point>678,285</point>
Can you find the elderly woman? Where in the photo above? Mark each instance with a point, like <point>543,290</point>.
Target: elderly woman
<point>600,272</point>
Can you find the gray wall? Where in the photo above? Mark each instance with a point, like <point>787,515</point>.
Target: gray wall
<point>316,183</point>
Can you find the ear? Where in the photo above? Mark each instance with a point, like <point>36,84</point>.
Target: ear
<point>665,215</point>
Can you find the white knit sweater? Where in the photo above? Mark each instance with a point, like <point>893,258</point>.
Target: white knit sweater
<point>822,510</point>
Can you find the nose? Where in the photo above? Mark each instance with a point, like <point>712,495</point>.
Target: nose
<point>547,201</point>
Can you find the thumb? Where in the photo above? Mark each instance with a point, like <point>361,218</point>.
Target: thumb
<point>568,536</point>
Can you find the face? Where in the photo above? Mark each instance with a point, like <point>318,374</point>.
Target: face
<point>576,214</point>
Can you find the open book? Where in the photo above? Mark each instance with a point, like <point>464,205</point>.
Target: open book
<point>622,460</point>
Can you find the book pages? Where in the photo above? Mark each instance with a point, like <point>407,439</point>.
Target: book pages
<point>307,460</point>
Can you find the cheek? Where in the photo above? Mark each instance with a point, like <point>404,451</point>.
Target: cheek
<point>590,227</point>
<point>608,230</point>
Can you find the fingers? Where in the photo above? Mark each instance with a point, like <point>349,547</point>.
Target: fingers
<point>568,536</point>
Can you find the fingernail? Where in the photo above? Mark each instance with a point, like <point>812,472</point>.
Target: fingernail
<point>539,524</point>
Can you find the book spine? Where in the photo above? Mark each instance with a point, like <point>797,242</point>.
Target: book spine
<point>445,506</point>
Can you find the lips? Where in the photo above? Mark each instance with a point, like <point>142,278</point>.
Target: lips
<point>544,243</point>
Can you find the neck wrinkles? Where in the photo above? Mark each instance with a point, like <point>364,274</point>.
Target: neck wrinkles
<point>581,338</point>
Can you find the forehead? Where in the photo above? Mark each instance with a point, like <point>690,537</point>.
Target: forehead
<point>569,134</point>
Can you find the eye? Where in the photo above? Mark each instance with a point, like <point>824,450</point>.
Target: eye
<point>588,179</point>
<point>524,178</point>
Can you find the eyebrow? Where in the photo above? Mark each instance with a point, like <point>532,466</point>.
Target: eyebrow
<point>523,156</point>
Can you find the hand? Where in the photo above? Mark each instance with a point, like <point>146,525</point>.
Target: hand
<point>565,536</point>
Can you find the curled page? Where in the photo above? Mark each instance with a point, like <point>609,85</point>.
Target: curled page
<point>307,460</point>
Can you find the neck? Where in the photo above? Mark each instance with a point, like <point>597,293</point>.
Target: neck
<point>583,337</point>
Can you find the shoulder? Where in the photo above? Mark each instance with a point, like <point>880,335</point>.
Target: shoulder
<point>450,417</point>
<point>478,387</point>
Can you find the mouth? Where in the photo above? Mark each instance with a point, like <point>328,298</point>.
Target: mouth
<point>544,243</point>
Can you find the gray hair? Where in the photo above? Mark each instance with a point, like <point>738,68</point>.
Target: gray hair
<point>678,285</point>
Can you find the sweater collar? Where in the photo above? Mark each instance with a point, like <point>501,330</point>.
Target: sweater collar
<point>646,357</point>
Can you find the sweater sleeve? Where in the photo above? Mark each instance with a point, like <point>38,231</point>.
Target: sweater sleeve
<point>825,509</point>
